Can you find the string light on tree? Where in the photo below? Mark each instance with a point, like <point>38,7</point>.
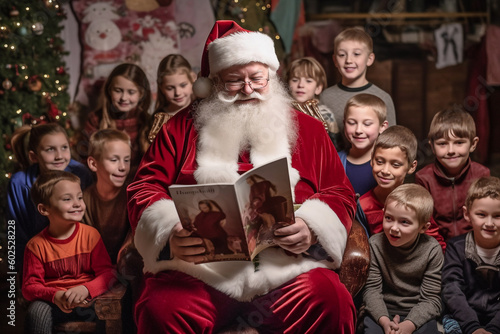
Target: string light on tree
<point>31,62</point>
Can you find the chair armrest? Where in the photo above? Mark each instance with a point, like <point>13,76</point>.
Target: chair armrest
<point>353,271</point>
<point>108,305</point>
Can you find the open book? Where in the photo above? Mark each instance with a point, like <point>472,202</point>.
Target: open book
<point>237,221</point>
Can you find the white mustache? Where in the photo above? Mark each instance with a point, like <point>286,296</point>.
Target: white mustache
<point>224,97</point>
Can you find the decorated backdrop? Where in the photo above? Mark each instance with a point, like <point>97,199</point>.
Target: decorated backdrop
<point>136,31</point>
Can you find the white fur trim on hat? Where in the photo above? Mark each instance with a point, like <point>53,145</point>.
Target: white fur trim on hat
<point>242,48</point>
<point>202,87</point>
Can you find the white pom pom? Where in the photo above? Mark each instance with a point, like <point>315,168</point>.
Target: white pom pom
<point>202,87</point>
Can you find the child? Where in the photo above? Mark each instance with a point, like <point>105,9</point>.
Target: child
<point>452,137</point>
<point>402,292</point>
<point>306,80</point>
<point>175,90</point>
<point>126,99</point>
<point>364,120</point>
<point>471,279</point>
<point>394,156</point>
<point>47,146</point>
<point>353,53</point>
<point>66,265</point>
<point>109,158</point>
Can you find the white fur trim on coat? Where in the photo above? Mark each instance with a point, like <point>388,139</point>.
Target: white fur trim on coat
<point>324,222</point>
<point>153,232</point>
<point>238,279</point>
<point>242,48</point>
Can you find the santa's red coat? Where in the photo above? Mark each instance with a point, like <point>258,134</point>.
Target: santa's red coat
<point>326,195</point>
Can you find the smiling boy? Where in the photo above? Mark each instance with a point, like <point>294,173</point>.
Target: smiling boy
<point>452,137</point>
<point>364,119</point>
<point>109,157</point>
<point>353,54</point>
<point>394,157</point>
<point>402,292</point>
<point>471,270</point>
<point>66,264</point>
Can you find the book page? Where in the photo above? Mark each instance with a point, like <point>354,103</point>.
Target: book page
<point>265,200</point>
<point>211,212</point>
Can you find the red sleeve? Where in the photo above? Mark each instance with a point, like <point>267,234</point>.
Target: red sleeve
<point>160,166</point>
<point>34,287</point>
<point>321,171</point>
<point>433,231</point>
<point>103,269</point>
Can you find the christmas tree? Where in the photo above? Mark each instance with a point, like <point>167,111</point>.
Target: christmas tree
<point>251,15</point>
<point>33,79</point>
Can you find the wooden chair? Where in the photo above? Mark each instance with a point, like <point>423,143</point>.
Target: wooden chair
<point>353,271</point>
<point>108,308</point>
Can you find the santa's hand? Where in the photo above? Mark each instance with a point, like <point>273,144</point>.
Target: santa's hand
<point>296,238</point>
<point>185,247</point>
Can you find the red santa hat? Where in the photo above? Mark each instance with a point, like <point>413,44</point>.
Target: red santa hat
<point>227,45</point>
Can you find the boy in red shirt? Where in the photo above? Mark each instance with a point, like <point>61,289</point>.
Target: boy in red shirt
<point>66,265</point>
<point>452,136</point>
<point>394,156</point>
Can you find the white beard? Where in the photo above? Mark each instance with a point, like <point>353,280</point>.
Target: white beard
<point>266,128</point>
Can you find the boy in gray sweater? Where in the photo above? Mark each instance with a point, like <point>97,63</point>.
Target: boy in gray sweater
<point>402,293</point>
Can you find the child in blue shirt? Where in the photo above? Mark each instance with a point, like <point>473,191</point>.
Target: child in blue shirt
<point>48,149</point>
<point>364,119</point>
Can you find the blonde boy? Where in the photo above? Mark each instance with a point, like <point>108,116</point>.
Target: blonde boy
<point>452,137</point>
<point>364,120</point>
<point>471,270</point>
<point>66,264</point>
<point>109,157</point>
<point>352,55</point>
<point>394,157</point>
<point>402,293</point>
<point>306,80</point>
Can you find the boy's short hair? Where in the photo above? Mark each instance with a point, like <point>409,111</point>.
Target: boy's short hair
<point>414,197</point>
<point>355,34</point>
<point>368,100</point>
<point>398,136</point>
<point>307,67</point>
<point>101,137</point>
<point>453,120</point>
<point>488,186</point>
<point>42,189</point>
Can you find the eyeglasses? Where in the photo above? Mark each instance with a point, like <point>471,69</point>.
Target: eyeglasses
<point>238,85</point>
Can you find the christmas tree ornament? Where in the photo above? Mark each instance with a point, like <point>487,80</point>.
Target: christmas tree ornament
<point>37,28</point>
<point>7,84</point>
<point>60,70</point>
<point>14,12</point>
<point>34,84</point>
<point>22,31</point>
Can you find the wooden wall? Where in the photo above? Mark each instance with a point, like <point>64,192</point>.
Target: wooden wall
<point>419,90</point>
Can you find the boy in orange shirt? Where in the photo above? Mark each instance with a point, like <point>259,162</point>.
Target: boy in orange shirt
<point>66,265</point>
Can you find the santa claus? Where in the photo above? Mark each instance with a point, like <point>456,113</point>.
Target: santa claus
<point>245,121</point>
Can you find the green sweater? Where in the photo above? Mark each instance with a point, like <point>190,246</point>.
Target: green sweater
<point>404,281</point>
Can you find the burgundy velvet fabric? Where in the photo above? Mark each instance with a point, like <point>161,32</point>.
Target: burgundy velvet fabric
<point>314,302</point>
